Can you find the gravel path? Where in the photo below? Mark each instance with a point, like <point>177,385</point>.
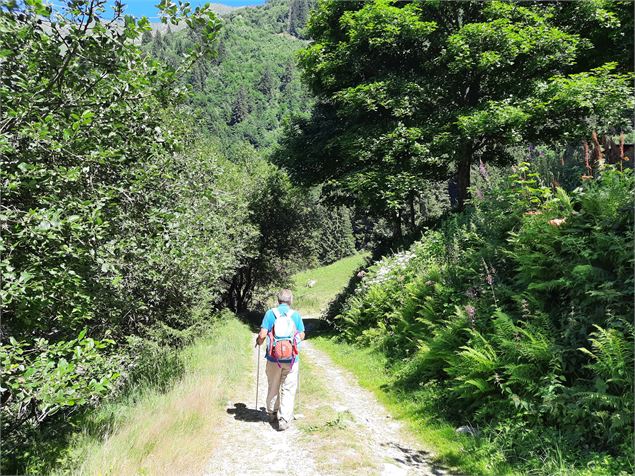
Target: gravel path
<point>251,446</point>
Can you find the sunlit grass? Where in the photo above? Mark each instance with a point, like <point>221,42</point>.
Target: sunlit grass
<point>174,432</point>
<point>329,281</point>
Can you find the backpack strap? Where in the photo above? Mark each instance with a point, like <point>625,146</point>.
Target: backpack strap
<point>270,334</point>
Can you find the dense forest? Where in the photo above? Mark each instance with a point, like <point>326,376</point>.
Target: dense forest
<point>156,178</point>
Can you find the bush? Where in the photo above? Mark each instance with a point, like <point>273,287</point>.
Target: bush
<point>42,379</point>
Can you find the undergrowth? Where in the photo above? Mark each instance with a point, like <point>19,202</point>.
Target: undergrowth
<point>515,318</point>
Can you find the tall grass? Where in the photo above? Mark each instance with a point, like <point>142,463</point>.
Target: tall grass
<point>167,433</point>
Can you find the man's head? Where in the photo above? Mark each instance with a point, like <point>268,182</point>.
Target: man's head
<point>285,296</point>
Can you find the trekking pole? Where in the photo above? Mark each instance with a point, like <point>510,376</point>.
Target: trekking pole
<point>258,376</point>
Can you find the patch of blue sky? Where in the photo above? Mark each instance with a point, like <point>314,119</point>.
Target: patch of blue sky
<point>140,8</point>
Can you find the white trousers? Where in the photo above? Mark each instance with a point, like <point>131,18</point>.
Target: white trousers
<point>283,383</point>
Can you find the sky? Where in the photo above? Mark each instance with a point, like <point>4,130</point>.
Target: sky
<point>147,8</point>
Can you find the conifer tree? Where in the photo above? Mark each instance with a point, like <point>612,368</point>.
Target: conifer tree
<point>241,107</point>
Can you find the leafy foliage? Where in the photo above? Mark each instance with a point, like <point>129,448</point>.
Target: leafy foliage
<point>116,218</point>
<point>410,92</point>
<point>45,378</point>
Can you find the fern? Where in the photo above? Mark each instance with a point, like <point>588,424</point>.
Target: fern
<point>612,356</point>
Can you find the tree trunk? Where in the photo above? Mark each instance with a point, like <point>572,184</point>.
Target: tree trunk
<point>463,177</point>
<point>397,235</point>
<point>413,216</point>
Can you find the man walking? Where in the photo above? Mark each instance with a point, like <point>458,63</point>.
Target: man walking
<point>283,328</point>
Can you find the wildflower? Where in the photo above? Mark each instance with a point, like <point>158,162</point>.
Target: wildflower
<point>598,157</point>
<point>490,278</point>
<point>533,212</point>
<point>557,221</point>
<point>361,274</point>
<point>622,147</point>
<point>471,312</point>
<point>585,146</point>
<point>482,170</point>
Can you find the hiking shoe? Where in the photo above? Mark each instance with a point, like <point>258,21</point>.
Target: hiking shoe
<point>282,424</point>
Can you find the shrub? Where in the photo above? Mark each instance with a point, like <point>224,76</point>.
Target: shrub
<point>42,379</point>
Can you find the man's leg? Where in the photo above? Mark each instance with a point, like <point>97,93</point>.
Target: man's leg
<point>274,374</point>
<point>288,387</point>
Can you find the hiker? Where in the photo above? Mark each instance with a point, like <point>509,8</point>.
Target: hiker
<point>284,329</point>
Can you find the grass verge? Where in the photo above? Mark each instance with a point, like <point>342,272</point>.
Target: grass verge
<point>150,432</point>
<point>329,280</point>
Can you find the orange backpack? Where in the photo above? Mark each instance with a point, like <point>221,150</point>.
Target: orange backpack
<point>282,337</point>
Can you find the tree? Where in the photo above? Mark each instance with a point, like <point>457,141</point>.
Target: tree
<point>267,83</point>
<point>298,15</point>
<point>410,92</point>
<point>287,75</point>
<point>146,37</point>
<point>89,167</point>
<point>336,240</point>
<point>81,111</point>
<point>241,107</point>
<point>287,236</point>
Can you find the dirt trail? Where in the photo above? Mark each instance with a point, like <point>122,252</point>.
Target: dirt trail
<point>372,440</point>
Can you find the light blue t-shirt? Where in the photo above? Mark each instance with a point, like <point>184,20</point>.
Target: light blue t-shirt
<point>270,318</point>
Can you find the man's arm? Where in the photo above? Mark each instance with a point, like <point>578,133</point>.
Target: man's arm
<point>267,323</point>
<point>300,326</point>
<point>262,335</point>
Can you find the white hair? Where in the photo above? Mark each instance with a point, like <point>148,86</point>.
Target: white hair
<point>285,296</point>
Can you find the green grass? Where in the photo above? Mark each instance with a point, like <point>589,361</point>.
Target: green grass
<point>172,432</point>
<point>468,454</point>
<point>329,281</point>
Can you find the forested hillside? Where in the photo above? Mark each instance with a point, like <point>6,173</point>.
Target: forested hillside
<point>252,84</point>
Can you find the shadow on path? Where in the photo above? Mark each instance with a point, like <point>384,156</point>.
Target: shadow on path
<point>418,459</point>
<point>242,413</point>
